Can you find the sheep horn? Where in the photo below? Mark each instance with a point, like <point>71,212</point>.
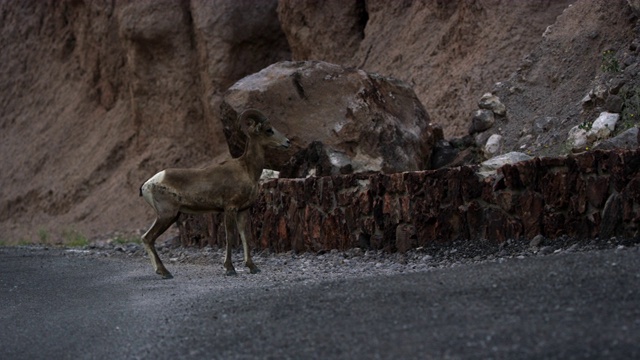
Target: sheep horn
<point>253,114</point>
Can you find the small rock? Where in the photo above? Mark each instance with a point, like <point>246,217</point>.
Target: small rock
<point>614,104</point>
<point>616,84</point>
<point>491,102</point>
<point>536,241</point>
<point>524,141</point>
<point>481,120</point>
<point>543,124</point>
<point>600,92</point>
<point>545,250</point>
<point>586,100</point>
<point>269,174</point>
<point>572,248</point>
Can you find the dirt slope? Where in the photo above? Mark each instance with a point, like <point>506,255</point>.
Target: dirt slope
<point>544,96</point>
<point>450,51</point>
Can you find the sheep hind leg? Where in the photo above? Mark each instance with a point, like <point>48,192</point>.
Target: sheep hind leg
<point>149,238</point>
<point>230,222</point>
<point>243,219</point>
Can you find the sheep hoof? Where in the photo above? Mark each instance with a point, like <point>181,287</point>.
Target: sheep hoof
<point>255,270</point>
<point>231,272</point>
<point>165,274</point>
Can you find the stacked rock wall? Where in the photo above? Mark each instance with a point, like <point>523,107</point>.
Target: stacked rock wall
<point>594,194</point>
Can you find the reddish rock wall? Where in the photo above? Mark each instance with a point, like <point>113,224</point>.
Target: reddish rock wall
<point>587,195</point>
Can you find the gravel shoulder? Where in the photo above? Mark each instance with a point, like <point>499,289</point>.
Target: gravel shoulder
<point>576,301</point>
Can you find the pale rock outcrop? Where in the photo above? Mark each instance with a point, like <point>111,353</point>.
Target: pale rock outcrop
<point>342,120</point>
<point>577,139</point>
<point>493,146</point>
<point>489,167</point>
<point>581,136</point>
<point>603,126</point>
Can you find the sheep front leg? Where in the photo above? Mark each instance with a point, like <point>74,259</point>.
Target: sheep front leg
<point>243,218</point>
<point>230,223</point>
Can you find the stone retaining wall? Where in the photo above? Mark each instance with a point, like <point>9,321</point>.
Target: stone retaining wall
<point>594,194</point>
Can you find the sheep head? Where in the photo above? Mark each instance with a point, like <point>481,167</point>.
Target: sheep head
<point>260,129</point>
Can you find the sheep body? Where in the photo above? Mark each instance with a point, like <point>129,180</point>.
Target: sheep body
<point>230,187</point>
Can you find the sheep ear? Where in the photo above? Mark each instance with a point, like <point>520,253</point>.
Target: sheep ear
<point>255,127</point>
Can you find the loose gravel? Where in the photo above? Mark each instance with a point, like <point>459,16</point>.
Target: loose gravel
<point>356,262</point>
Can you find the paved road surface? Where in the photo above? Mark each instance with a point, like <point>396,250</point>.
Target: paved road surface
<point>54,305</point>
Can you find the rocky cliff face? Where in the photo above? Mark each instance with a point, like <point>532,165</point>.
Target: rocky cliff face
<point>98,96</point>
<point>95,96</point>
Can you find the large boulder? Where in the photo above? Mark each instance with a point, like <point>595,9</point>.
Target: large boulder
<point>340,120</point>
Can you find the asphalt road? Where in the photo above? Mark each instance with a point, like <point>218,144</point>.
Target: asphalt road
<point>54,305</point>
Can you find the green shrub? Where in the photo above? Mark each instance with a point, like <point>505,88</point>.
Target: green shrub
<point>74,238</point>
<point>610,62</point>
<point>43,235</point>
<point>630,115</point>
<point>121,239</point>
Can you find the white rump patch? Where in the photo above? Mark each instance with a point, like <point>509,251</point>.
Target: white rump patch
<point>155,179</point>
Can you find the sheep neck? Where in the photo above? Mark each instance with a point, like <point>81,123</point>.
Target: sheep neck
<point>253,159</point>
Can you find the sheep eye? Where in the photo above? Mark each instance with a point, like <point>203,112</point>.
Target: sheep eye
<point>269,131</point>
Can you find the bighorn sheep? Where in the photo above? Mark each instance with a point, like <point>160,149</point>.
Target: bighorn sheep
<point>231,187</point>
